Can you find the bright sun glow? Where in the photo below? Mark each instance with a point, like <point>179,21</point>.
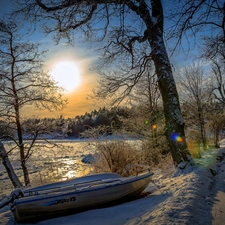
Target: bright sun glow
<point>67,75</point>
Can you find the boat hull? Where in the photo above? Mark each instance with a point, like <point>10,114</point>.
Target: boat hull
<point>80,197</point>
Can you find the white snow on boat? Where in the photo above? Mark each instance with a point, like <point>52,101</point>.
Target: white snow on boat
<point>77,194</point>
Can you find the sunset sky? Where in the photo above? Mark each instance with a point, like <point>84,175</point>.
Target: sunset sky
<point>71,67</point>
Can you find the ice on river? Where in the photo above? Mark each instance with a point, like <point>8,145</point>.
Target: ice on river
<point>49,164</point>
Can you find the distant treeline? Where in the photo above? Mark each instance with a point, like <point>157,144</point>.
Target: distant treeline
<point>103,117</point>
<point>70,127</point>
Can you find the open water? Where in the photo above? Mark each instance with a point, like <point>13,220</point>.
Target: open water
<point>58,161</point>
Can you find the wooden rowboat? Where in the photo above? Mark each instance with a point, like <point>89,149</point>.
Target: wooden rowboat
<point>77,194</point>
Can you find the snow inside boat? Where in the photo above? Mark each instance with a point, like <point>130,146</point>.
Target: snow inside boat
<point>77,194</point>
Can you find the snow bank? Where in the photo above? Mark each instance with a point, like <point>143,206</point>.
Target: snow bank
<point>185,199</point>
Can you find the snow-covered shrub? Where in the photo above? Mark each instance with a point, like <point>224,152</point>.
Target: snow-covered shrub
<point>127,157</point>
<point>151,153</point>
<point>117,156</point>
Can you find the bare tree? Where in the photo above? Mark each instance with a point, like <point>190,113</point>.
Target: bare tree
<point>146,97</point>
<point>217,86</point>
<point>147,91</point>
<point>195,93</point>
<point>216,125</point>
<point>203,21</point>
<point>9,169</point>
<point>218,80</point>
<point>131,33</point>
<point>23,83</point>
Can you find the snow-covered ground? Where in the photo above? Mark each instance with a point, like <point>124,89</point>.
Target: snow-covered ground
<point>196,196</point>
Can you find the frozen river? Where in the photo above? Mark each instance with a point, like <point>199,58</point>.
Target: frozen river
<point>49,163</point>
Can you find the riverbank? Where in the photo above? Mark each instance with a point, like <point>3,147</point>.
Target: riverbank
<point>191,198</point>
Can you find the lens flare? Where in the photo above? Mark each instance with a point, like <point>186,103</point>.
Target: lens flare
<point>146,122</point>
<point>177,138</point>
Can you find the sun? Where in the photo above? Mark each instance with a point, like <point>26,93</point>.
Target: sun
<point>67,75</point>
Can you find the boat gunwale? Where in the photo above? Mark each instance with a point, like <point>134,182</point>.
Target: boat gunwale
<point>34,189</point>
<point>22,200</point>
<point>72,186</point>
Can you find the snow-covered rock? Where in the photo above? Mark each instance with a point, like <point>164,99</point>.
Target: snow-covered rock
<point>89,159</point>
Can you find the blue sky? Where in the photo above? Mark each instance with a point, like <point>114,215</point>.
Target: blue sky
<point>81,55</point>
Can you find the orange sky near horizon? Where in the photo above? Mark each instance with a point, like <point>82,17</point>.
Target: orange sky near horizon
<point>78,100</point>
<point>78,104</point>
<point>81,54</point>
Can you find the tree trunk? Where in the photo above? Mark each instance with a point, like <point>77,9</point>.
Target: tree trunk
<point>202,125</point>
<point>24,167</point>
<point>216,138</point>
<point>21,147</point>
<point>10,171</point>
<point>174,127</point>
<point>22,158</point>
<point>20,139</point>
<point>203,135</point>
